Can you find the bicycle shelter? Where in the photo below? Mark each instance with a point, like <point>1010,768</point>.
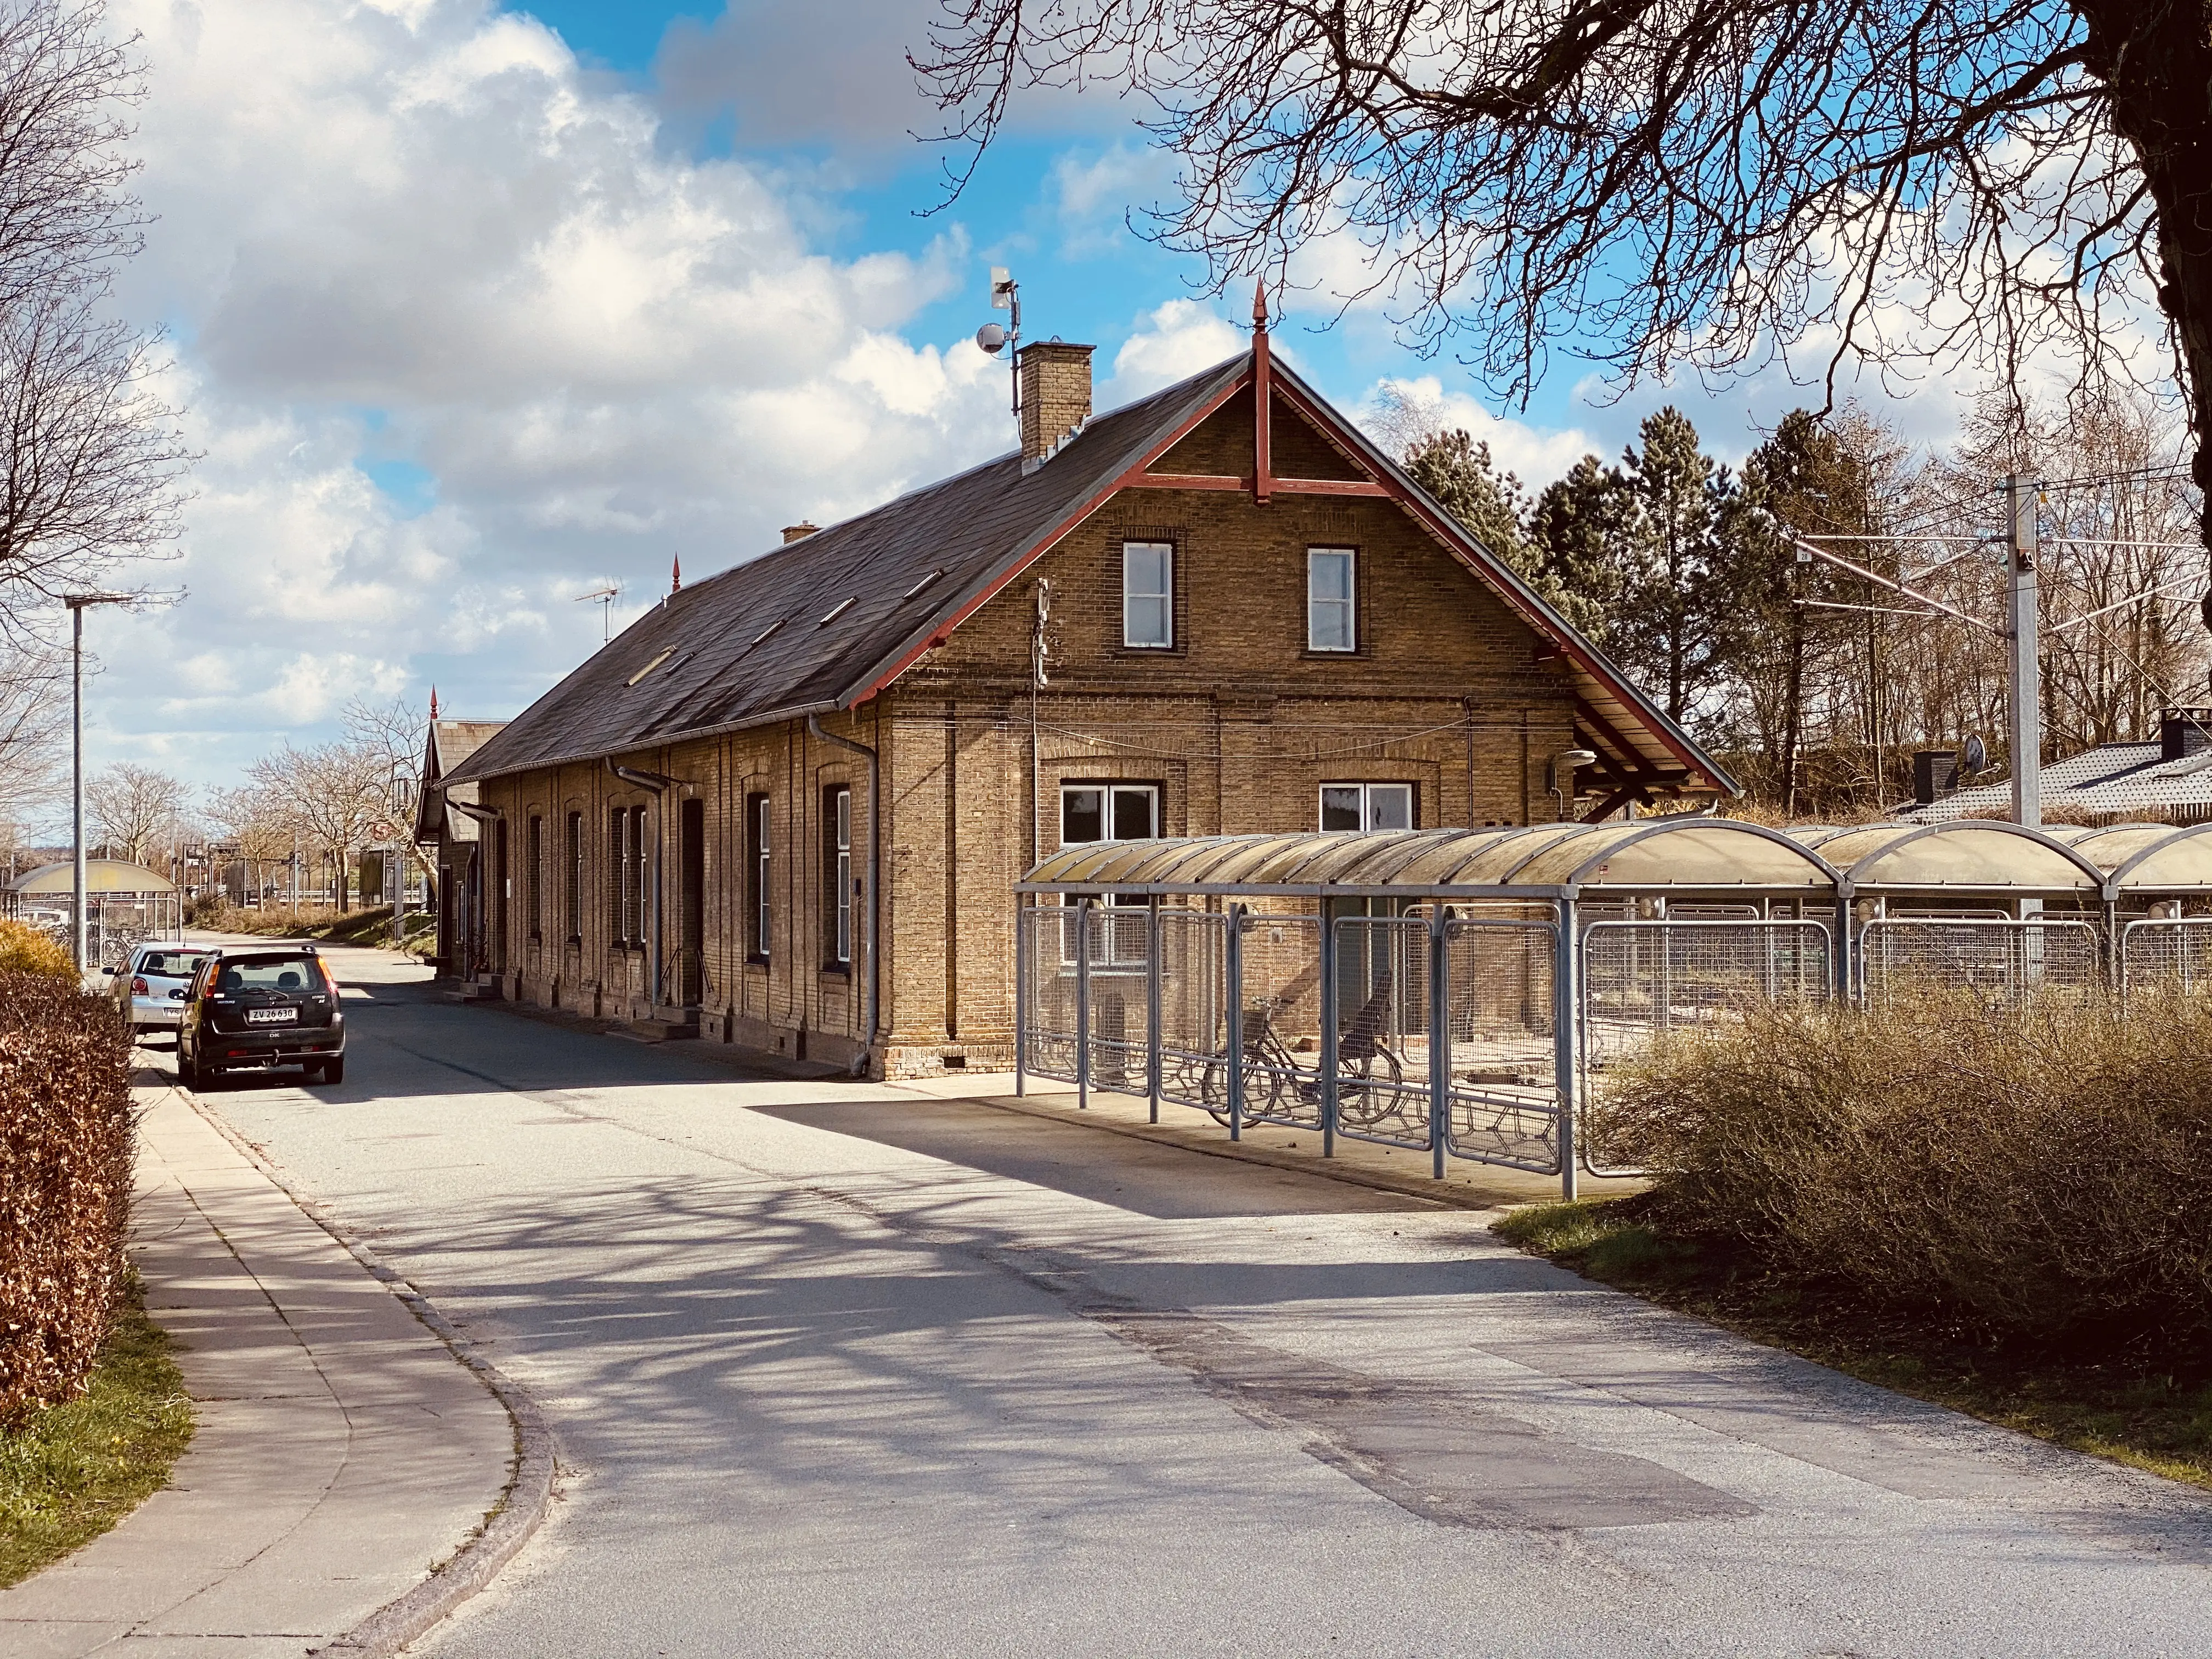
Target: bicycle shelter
<point>1455,991</point>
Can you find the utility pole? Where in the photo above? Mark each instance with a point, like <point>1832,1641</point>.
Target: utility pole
<point>2025,723</point>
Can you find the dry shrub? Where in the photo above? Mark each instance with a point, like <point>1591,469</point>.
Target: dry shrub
<point>2043,1175</point>
<point>25,950</point>
<point>67,1143</point>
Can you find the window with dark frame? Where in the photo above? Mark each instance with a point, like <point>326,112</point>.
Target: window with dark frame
<point>1111,811</point>
<point>1358,806</point>
<point>1148,595</point>
<point>573,900</point>
<point>618,876</point>
<point>534,896</point>
<point>758,841</point>
<point>501,883</point>
<point>837,835</point>
<point>1331,605</point>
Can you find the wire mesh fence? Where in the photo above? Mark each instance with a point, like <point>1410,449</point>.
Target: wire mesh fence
<point>1119,944</point>
<point>1641,979</point>
<point>1050,1011</point>
<point>1502,1021</point>
<point>1280,956</point>
<point>1193,1008</point>
<point>1383,1030</point>
<point>2005,962</point>
<point>2176,954</point>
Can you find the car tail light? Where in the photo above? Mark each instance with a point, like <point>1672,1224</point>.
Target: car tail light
<point>138,986</point>
<point>329,978</point>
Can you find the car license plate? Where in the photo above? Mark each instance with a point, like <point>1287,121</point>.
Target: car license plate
<point>272,1015</point>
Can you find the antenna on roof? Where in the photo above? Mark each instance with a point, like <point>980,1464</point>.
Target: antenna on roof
<point>606,596</point>
<point>1005,296</point>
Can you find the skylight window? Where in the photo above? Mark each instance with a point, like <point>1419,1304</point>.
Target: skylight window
<point>923,583</point>
<point>765,632</point>
<point>654,664</point>
<point>836,611</point>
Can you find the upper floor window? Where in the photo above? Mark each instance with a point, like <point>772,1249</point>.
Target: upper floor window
<point>1332,612</point>
<point>1109,811</point>
<point>1148,595</point>
<point>1367,807</point>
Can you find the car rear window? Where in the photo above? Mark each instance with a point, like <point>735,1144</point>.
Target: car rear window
<point>172,965</point>
<point>292,975</point>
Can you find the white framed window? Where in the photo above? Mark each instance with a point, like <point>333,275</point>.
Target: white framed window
<point>841,843</point>
<point>1148,595</point>
<point>758,835</point>
<point>1367,807</point>
<point>1332,610</point>
<point>1109,811</point>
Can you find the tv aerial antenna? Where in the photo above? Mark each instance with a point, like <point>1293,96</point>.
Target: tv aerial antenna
<point>606,597</point>
<point>995,337</point>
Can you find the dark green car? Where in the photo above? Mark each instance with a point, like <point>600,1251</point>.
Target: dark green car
<point>257,1007</point>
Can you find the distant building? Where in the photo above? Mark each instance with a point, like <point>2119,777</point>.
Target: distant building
<point>790,803</point>
<point>450,831</point>
<point>2167,782</point>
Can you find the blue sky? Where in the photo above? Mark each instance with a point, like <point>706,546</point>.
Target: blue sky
<point>476,311</point>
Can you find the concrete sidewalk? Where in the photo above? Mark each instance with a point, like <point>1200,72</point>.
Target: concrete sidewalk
<point>343,1451</point>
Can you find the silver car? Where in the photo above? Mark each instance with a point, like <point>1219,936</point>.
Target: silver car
<point>150,988</point>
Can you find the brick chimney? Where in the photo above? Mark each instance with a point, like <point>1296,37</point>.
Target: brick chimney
<point>799,532</point>
<point>2183,732</point>
<point>1055,386</point>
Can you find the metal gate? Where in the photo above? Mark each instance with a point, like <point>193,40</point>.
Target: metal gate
<point>1044,944</point>
<point>1192,1008</point>
<point>2003,961</point>
<point>1278,1076</point>
<point>1501,1026</point>
<point>2176,952</point>
<point>1382,1050</point>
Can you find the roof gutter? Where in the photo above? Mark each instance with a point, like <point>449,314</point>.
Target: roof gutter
<point>874,1017</point>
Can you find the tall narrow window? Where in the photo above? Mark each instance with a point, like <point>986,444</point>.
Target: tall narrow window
<point>1332,618</point>
<point>1148,594</point>
<point>641,876</point>
<point>1367,807</point>
<point>618,876</point>
<point>573,899</point>
<point>837,827</point>
<point>502,885</point>
<point>534,898</point>
<point>756,877</point>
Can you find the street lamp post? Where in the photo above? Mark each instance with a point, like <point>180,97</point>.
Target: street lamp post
<point>76,604</point>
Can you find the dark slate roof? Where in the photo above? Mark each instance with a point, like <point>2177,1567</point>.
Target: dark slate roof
<point>775,638</point>
<point>725,668</point>
<point>448,745</point>
<point>2112,780</point>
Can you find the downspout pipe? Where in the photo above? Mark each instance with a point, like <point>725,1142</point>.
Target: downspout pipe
<point>873,1018</point>
<point>660,783</point>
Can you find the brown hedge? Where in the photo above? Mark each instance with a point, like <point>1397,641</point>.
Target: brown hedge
<point>2042,1178</point>
<point>67,1144</point>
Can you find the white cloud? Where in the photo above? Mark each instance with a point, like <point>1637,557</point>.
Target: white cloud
<point>1536,455</point>
<point>421,234</point>
<point>1176,339</point>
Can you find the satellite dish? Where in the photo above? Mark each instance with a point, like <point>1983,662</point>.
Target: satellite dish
<point>992,336</point>
<point>1976,756</point>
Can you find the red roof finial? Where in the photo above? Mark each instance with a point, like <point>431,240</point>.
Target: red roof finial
<point>1260,307</point>
<point>433,702</point>
<point>676,572</point>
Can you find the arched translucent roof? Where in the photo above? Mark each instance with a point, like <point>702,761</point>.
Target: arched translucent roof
<point>101,876</point>
<point>2149,858</point>
<point>1972,854</point>
<point>1700,853</point>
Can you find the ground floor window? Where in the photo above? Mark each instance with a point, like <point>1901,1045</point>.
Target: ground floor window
<point>1367,807</point>
<point>756,875</point>
<point>1109,811</point>
<point>837,826</point>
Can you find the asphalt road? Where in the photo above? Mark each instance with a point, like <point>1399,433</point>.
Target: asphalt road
<point>840,1368</point>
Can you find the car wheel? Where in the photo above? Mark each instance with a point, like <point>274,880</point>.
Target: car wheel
<point>334,1070</point>
<point>187,1073</point>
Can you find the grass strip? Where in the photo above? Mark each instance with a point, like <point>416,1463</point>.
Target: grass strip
<point>73,1470</point>
<point>2159,1422</point>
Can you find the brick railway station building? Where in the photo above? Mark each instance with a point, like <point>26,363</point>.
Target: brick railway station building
<point>790,803</point>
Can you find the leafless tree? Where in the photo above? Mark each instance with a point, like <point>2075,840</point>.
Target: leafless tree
<point>334,793</point>
<point>138,813</point>
<point>1703,184</point>
<point>34,728</point>
<point>91,461</point>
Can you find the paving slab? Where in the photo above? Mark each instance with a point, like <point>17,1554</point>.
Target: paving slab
<point>342,1450</point>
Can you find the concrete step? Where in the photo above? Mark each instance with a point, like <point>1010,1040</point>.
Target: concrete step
<point>658,1030</point>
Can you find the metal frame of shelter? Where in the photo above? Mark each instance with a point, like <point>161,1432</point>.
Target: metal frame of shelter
<point>117,917</point>
<point>1453,991</point>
